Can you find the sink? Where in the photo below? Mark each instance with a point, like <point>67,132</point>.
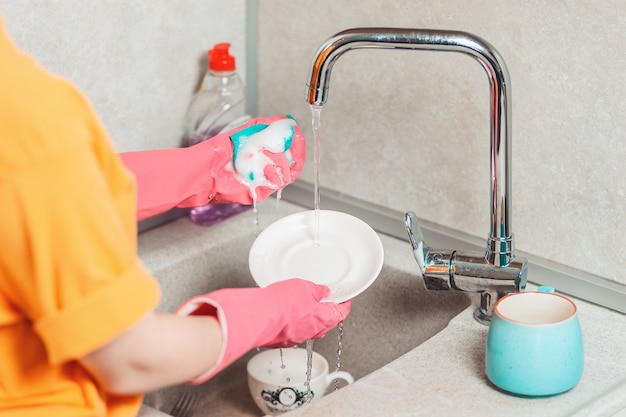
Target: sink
<point>393,316</point>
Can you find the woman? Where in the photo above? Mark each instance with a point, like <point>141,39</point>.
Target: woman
<point>78,331</point>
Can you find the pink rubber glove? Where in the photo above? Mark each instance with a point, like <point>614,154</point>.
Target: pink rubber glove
<point>283,314</point>
<point>242,166</point>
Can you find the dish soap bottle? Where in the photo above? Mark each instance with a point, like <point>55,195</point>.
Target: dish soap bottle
<point>221,100</point>
<point>219,106</point>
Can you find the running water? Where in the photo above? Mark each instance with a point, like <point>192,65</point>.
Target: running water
<point>339,349</point>
<point>309,369</point>
<point>316,121</point>
<point>316,113</point>
<point>255,211</point>
<point>279,196</point>
<point>256,214</point>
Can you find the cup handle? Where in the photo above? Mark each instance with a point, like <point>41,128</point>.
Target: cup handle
<point>339,375</point>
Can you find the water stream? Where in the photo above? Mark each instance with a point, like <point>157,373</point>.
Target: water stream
<point>316,112</point>
<point>316,121</point>
<point>309,369</point>
<point>339,348</point>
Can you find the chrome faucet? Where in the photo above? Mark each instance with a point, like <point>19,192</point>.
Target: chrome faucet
<point>496,272</point>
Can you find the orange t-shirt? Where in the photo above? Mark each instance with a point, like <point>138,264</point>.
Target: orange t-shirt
<point>70,277</point>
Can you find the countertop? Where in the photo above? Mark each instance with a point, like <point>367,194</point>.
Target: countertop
<point>444,376</point>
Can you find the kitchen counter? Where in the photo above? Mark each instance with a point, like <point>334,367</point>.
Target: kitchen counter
<point>444,376</point>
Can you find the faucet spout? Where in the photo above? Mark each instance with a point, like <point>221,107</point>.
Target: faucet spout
<point>500,243</point>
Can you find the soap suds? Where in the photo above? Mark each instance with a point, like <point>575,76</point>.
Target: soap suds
<point>249,158</point>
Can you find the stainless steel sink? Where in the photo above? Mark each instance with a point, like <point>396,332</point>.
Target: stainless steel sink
<point>393,316</point>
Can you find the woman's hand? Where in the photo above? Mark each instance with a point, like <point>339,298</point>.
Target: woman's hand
<point>243,166</point>
<point>255,160</point>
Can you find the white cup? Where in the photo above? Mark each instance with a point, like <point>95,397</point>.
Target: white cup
<point>277,389</point>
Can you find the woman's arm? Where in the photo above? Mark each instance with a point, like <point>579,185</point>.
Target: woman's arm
<point>160,350</point>
<point>273,151</point>
<point>168,178</point>
<point>210,332</point>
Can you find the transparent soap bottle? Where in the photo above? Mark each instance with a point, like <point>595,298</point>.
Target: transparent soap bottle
<point>219,106</point>
<point>221,101</point>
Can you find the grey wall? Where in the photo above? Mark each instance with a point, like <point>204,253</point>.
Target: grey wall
<point>409,130</point>
<point>139,62</point>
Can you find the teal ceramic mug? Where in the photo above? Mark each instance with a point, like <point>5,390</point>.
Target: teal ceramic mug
<point>534,344</point>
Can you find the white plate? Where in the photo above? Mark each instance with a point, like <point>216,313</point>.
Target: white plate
<point>347,258</point>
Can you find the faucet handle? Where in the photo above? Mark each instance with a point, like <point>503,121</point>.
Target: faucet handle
<point>443,269</point>
<point>434,265</point>
<point>420,250</point>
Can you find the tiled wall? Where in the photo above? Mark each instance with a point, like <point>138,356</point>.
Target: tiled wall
<point>410,130</point>
<point>139,62</point>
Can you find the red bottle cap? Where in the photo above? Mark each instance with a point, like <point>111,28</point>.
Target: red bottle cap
<point>220,59</point>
